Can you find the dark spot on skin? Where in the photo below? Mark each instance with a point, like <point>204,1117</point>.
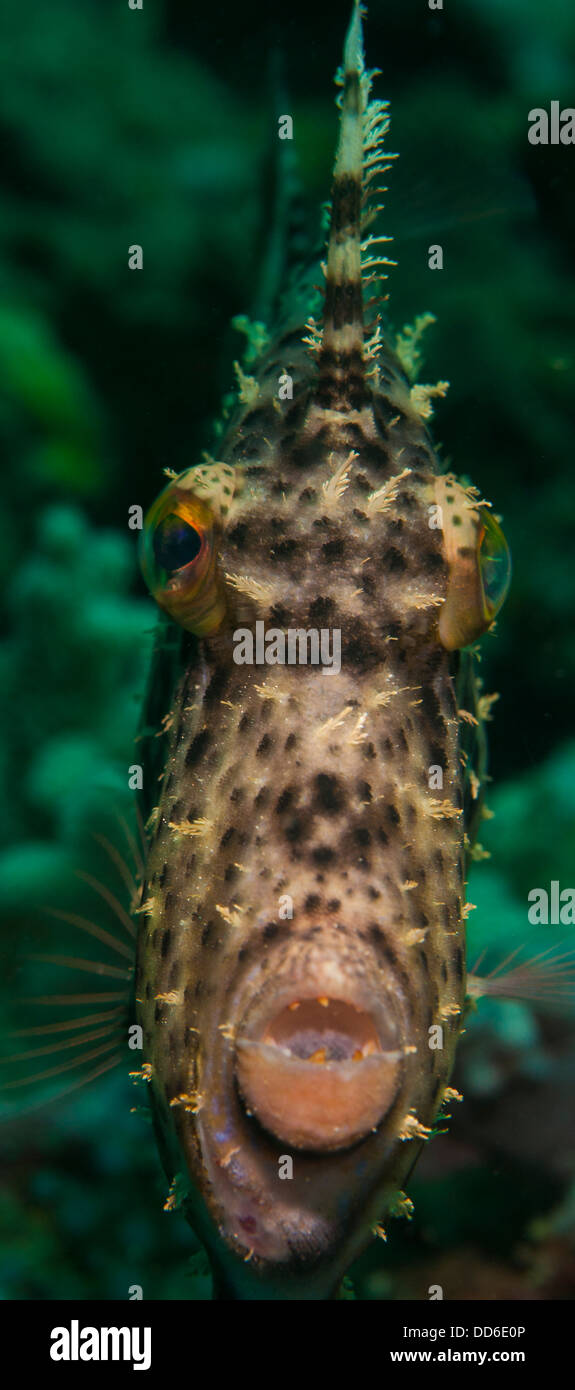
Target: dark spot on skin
<point>323,854</point>
<point>264,745</point>
<point>364,791</point>
<point>393,562</point>
<point>312,902</point>
<point>244,723</point>
<point>430,703</point>
<point>359,649</point>
<point>334,905</point>
<point>307,495</point>
<point>346,202</point>
<point>163,875</point>
<point>290,742</point>
<point>330,797</point>
<point>284,800</point>
<point>227,836</point>
<point>407,500</point>
<point>283,549</point>
<point>341,382</point>
<point>320,611</point>
<point>438,860</point>
<point>387,951</point>
<point>166,941</point>
<point>465,550</point>
<point>159,1013</point>
<point>369,751</point>
<point>456,520</point>
<point>206,933</point>
<point>333,550</point>
<point>343,305</point>
<point>237,794</point>
<point>433,563</point>
<point>197,748</point>
<point>279,615</point>
<point>270,930</point>
<point>261,798</point>
<point>444,972</point>
<point>216,686</point>
<point>393,815</point>
<point>401,739</point>
<point>237,535</point>
<point>373,893</point>
<point>174,975</point>
<point>148,990</point>
<point>362,836</point>
<point>295,829</point>
<point>381,835</point>
<point>435,755</point>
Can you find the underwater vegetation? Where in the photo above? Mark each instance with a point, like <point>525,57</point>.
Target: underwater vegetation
<point>106,377</point>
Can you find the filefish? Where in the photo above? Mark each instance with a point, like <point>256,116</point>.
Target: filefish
<point>301,975</point>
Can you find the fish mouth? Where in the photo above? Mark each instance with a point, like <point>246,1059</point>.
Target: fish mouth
<point>319,1074</point>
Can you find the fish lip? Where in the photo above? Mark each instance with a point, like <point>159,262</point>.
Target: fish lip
<point>326,1098</point>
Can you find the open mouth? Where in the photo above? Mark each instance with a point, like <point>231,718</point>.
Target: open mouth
<point>323,1030</point>
<point>318,1077</point>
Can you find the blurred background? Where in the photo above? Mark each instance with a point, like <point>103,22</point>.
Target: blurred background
<point>155,127</point>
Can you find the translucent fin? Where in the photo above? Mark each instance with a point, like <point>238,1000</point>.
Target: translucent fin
<point>547,978</point>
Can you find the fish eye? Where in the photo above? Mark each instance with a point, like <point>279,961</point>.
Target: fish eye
<point>176,543</point>
<point>178,558</point>
<point>494,563</point>
<point>479,566</point>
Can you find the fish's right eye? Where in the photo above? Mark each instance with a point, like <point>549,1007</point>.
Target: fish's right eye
<point>478,564</point>
<point>178,558</point>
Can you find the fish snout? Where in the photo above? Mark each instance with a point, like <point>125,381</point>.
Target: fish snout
<point>320,1072</point>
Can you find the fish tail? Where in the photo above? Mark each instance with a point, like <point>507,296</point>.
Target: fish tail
<point>358,163</point>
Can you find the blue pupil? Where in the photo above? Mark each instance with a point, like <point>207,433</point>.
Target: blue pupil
<point>176,543</point>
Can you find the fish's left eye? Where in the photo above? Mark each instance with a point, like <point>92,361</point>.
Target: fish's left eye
<point>178,559</point>
<point>176,543</point>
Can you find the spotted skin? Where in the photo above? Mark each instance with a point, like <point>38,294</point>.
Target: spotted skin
<point>283,784</point>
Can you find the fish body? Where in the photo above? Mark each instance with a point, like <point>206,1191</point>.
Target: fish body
<point>301,976</point>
